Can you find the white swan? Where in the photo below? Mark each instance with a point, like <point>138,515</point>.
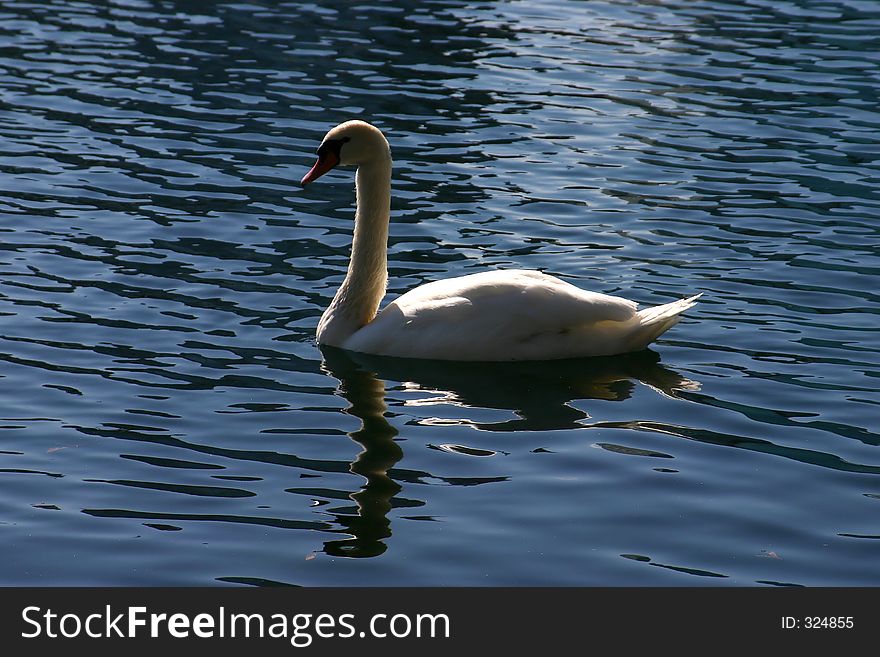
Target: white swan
<point>492,316</point>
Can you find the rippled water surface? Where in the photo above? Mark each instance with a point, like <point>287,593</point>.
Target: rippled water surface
<point>168,419</point>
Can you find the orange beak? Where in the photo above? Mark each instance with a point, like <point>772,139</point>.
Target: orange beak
<point>326,161</point>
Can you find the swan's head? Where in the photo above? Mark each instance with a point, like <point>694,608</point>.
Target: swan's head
<point>350,143</point>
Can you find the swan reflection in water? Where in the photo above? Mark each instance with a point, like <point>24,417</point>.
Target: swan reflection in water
<point>538,393</point>
<point>365,394</point>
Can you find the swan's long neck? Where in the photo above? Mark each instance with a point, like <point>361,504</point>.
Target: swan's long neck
<point>358,298</point>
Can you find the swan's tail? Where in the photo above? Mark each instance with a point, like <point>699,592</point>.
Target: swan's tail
<point>657,320</point>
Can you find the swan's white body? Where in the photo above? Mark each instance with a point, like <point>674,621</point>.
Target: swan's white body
<point>491,316</point>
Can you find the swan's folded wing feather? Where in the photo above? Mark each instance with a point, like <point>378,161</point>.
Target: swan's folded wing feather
<point>471,317</point>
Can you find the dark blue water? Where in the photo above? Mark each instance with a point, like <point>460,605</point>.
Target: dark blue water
<point>168,420</point>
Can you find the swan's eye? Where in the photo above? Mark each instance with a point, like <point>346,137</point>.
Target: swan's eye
<point>332,146</point>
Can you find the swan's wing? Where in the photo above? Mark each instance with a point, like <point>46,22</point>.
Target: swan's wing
<point>476,317</point>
